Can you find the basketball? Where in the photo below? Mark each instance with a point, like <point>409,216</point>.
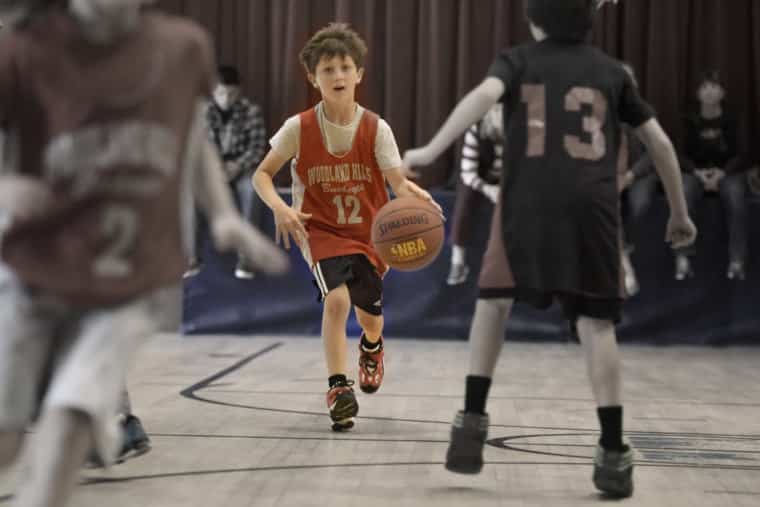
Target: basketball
<point>407,233</point>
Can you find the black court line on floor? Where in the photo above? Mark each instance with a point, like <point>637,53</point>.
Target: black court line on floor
<point>735,493</point>
<point>191,391</point>
<point>519,446</point>
<point>496,442</point>
<point>215,389</point>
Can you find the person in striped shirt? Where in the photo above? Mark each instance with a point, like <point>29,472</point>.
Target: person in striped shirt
<point>481,168</point>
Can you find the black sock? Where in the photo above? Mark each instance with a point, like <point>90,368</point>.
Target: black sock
<point>368,346</point>
<point>611,422</point>
<point>335,379</point>
<point>476,392</point>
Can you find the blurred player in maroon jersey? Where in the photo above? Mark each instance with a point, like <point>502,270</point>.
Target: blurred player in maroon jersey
<point>101,108</point>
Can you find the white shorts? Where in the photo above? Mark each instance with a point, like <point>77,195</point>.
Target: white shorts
<point>55,356</point>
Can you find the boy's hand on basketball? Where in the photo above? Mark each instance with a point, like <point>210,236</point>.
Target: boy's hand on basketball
<point>290,223</point>
<point>231,233</point>
<point>680,232</point>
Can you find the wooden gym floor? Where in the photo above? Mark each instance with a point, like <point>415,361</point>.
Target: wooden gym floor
<point>242,422</point>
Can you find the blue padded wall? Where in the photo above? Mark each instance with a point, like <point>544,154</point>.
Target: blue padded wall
<point>708,309</point>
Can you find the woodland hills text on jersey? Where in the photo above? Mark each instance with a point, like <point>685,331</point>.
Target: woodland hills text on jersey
<point>339,173</point>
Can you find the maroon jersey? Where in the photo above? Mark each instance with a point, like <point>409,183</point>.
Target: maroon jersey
<point>106,128</point>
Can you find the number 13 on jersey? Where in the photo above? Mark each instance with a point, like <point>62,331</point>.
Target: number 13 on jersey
<point>534,97</point>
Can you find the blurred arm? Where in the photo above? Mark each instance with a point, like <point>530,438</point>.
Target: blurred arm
<point>470,109</point>
<point>665,162</point>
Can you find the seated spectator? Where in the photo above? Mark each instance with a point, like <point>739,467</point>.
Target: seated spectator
<point>481,168</point>
<point>236,127</point>
<point>716,166</point>
<point>711,164</point>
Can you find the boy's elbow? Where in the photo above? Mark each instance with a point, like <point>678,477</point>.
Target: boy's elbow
<point>490,89</point>
<point>256,178</point>
<point>654,138</point>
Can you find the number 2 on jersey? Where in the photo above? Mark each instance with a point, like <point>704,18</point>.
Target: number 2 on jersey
<point>350,201</point>
<point>534,96</point>
<point>119,225</point>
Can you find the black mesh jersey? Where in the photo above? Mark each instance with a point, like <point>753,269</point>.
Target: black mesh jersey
<point>563,109</point>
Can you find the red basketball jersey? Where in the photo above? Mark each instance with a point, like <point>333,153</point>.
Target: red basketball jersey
<point>343,193</point>
<point>106,128</point>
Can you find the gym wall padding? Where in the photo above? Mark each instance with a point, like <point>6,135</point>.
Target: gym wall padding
<point>708,309</point>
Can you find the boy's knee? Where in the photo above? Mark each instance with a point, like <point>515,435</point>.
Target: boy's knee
<point>591,327</point>
<point>10,446</point>
<point>337,303</point>
<point>498,306</point>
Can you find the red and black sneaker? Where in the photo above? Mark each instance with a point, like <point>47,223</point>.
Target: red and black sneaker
<point>371,368</point>
<point>341,402</point>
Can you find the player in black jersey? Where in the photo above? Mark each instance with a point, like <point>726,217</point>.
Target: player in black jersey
<point>555,232</point>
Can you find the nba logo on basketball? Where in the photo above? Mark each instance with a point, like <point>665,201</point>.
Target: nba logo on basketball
<point>409,250</point>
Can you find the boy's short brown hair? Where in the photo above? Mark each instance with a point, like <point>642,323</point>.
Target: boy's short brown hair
<point>334,39</point>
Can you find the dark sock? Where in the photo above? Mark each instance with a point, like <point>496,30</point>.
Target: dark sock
<point>476,392</point>
<point>368,346</point>
<point>335,379</point>
<point>611,422</point>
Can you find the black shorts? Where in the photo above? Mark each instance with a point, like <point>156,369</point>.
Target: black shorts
<point>365,286</point>
<point>573,305</point>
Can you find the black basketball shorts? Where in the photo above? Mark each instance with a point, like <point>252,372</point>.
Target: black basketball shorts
<point>365,286</point>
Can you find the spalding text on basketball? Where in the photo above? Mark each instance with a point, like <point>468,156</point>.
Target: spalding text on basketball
<point>387,227</point>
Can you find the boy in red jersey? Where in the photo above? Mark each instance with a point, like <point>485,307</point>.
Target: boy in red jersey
<point>343,154</point>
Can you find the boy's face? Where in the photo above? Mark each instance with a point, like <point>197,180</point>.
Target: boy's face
<point>710,93</point>
<point>226,95</point>
<point>336,78</point>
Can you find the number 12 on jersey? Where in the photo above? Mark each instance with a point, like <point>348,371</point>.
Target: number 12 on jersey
<point>534,97</point>
<point>353,204</point>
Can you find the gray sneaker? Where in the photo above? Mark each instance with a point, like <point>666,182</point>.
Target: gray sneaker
<point>468,435</point>
<point>613,472</point>
<point>136,443</point>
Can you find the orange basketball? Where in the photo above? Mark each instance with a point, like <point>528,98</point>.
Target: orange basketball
<point>407,233</point>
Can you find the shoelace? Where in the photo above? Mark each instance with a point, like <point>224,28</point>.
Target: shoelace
<point>348,383</point>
